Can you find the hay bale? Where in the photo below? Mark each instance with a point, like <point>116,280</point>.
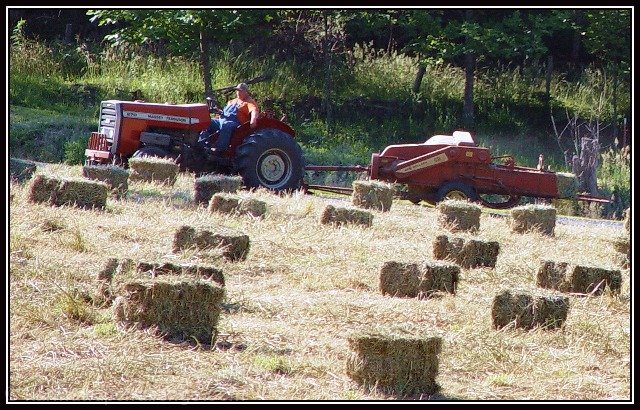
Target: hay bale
<point>183,238</point>
<point>527,218</point>
<point>224,203</point>
<point>103,294</point>
<point>528,311</point>
<point>41,188</point>
<point>400,363</point>
<point>179,309</point>
<point>21,170</point>
<point>117,178</point>
<point>594,280</point>
<point>205,272</point>
<point>455,215</point>
<point>577,279</point>
<point>627,220</point>
<point>78,192</point>
<point>622,246</point>
<point>372,195</point>
<point>411,280</point>
<point>552,275</point>
<point>207,185</point>
<point>252,207</point>
<point>567,184</point>
<point>152,169</point>
<point>233,245</point>
<point>468,254</point>
<point>82,193</point>
<point>344,216</point>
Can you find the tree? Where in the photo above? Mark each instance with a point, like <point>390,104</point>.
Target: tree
<point>182,32</point>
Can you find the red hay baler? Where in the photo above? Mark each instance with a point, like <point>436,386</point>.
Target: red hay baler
<point>455,167</point>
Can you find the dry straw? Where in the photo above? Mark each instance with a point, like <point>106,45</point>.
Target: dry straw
<point>207,185</point>
<point>206,272</point>
<point>338,216</point>
<point>372,195</point>
<point>622,246</point>
<point>528,311</point>
<point>116,177</point>
<point>527,218</point>
<point>455,215</point>
<point>179,309</point>
<point>468,254</point>
<point>233,245</point>
<point>151,169</point>
<point>627,220</point>
<point>402,364</point>
<point>413,280</point>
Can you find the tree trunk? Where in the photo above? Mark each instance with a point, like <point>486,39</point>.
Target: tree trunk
<point>205,64</point>
<point>586,165</point>
<point>327,77</point>
<point>467,106</point>
<point>549,76</point>
<point>418,79</point>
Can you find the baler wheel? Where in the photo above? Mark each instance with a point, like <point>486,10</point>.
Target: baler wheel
<point>504,202</point>
<point>458,191</point>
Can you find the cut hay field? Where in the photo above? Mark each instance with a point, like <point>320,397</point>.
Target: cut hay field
<point>291,305</point>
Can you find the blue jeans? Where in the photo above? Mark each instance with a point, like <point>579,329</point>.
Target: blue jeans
<point>225,126</point>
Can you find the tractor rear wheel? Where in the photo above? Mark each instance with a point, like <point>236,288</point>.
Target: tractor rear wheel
<point>270,158</point>
<point>456,190</point>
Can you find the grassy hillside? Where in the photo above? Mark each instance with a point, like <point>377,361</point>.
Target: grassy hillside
<point>290,307</point>
<point>55,91</point>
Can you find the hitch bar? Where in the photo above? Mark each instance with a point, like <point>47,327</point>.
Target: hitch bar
<point>351,168</point>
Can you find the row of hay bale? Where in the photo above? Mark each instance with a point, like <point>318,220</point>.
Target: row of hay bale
<point>183,304</point>
<point>413,280</point>
<point>579,279</point>
<point>472,253</point>
<point>79,192</point>
<point>457,216</point>
<point>525,310</point>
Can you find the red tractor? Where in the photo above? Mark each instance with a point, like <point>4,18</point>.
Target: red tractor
<point>455,167</point>
<point>267,156</point>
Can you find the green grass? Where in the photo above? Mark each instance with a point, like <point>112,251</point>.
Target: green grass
<point>55,91</point>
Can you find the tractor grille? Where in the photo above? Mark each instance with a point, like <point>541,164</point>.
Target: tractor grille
<point>98,142</point>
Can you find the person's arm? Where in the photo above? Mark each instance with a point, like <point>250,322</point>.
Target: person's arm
<point>254,118</point>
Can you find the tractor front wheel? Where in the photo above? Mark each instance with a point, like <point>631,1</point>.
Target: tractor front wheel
<point>458,191</point>
<point>150,151</point>
<point>272,159</point>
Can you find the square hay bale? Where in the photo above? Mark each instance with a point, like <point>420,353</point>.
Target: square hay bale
<point>224,203</point>
<point>594,280</point>
<point>468,254</point>
<point>252,207</point>
<point>183,238</point>
<point>567,184</point>
<point>82,193</point>
<point>455,215</point>
<point>627,220</point>
<point>527,218</point>
<point>400,363</point>
<point>179,309</point>
<point>233,245</point>
<point>117,178</point>
<point>411,280</point>
<point>372,195</point>
<point>622,246</point>
<point>338,216</point>
<point>21,170</point>
<point>552,275</point>
<point>205,272</point>
<point>207,185</point>
<point>152,169</point>
<point>528,311</point>
<point>41,188</point>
